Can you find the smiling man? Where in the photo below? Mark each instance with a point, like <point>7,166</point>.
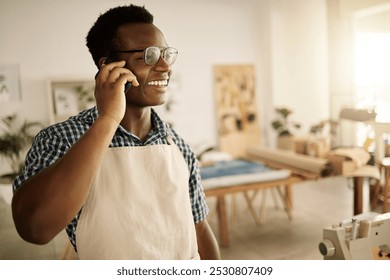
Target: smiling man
<point>121,181</point>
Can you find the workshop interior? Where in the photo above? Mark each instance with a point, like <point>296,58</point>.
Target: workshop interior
<point>286,105</point>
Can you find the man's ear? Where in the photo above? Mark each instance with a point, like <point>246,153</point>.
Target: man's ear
<point>102,61</point>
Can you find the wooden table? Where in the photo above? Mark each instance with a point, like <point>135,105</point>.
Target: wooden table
<point>306,175</point>
<point>358,195</point>
<point>384,166</point>
<point>221,192</point>
<point>367,171</point>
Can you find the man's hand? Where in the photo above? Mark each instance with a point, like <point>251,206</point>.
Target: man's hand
<point>207,244</point>
<point>109,89</point>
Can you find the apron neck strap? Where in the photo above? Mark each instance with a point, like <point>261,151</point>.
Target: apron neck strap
<point>169,139</point>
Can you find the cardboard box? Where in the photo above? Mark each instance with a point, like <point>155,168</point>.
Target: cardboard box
<point>318,148</point>
<point>300,145</point>
<point>341,165</point>
<point>314,148</point>
<point>285,143</point>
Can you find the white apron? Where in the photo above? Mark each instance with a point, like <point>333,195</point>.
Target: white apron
<point>139,207</point>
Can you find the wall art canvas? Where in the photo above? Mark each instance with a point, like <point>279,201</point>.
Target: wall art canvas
<point>236,107</point>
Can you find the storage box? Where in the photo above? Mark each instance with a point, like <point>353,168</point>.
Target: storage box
<point>300,145</point>
<point>341,165</point>
<point>318,148</point>
<point>285,143</point>
<point>314,148</point>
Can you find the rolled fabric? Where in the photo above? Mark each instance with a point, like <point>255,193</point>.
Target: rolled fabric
<point>319,166</point>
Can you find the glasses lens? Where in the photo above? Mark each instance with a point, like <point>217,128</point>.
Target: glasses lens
<point>152,55</point>
<point>170,55</point>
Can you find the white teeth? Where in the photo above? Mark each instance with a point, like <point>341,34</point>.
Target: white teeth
<point>158,83</point>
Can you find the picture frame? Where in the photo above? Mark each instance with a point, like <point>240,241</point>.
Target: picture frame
<point>69,97</point>
<point>9,83</point>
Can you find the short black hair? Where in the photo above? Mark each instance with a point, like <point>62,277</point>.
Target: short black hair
<point>100,38</point>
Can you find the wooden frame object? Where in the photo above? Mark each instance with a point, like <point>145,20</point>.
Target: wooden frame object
<point>236,106</point>
<point>68,97</point>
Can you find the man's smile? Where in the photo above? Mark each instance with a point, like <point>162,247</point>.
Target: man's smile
<point>160,83</point>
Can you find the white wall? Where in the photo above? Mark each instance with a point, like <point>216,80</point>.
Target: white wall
<point>299,59</point>
<point>46,37</point>
<point>285,40</point>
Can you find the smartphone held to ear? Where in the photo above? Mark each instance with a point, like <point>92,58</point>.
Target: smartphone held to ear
<point>127,85</point>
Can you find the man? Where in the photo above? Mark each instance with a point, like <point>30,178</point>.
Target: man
<point>122,183</point>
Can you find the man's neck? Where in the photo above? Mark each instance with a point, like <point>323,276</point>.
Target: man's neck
<point>138,122</point>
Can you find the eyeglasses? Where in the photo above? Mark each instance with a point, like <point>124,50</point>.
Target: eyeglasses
<point>153,54</point>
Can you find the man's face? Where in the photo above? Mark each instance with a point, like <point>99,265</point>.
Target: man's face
<point>153,79</point>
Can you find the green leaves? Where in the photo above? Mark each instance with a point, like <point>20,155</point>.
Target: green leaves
<point>283,125</point>
<point>16,137</point>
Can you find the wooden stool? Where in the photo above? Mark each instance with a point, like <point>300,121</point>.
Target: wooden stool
<point>384,167</point>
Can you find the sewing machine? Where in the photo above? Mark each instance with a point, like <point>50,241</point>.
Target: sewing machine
<point>364,237</point>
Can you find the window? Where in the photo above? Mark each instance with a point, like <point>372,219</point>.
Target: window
<point>372,78</point>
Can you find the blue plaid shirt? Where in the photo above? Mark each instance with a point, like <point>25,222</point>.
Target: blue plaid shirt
<point>53,142</point>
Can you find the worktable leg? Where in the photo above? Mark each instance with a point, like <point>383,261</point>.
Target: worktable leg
<point>357,195</point>
<point>222,221</point>
<point>386,189</point>
<point>288,196</point>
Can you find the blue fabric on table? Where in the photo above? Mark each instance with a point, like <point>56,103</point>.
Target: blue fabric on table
<point>231,168</point>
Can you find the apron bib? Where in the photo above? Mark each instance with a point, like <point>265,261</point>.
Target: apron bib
<point>139,207</point>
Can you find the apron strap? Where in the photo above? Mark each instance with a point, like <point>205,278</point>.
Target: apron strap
<point>169,139</point>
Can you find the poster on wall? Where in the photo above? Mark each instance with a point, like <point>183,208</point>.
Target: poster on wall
<point>236,107</point>
<point>9,83</point>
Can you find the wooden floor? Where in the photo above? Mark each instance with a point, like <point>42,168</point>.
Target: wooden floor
<point>316,204</point>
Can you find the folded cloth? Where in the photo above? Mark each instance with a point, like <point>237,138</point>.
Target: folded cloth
<point>366,171</point>
<point>357,155</point>
<point>232,167</point>
<point>238,172</point>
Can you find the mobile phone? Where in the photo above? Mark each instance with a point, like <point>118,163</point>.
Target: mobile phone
<point>128,84</point>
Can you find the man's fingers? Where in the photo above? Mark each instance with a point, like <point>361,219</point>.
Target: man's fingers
<point>106,69</point>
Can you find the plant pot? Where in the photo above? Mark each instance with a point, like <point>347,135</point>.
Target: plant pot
<point>285,143</point>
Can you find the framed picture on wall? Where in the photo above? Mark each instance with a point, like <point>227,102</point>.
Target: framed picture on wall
<point>69,97</point>
<point>9,83</point>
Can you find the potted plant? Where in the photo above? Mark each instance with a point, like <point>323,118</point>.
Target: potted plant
<point>324,128</point>
<point>15,138</point>
<point>321,134</point>
<point>284,128</point>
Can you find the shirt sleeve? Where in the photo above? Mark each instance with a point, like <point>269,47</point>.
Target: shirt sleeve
<point>197,196</point>
<point>45,150</point>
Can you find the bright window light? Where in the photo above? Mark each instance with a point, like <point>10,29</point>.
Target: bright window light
<point>372,58</point>
<point>372,78</point>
